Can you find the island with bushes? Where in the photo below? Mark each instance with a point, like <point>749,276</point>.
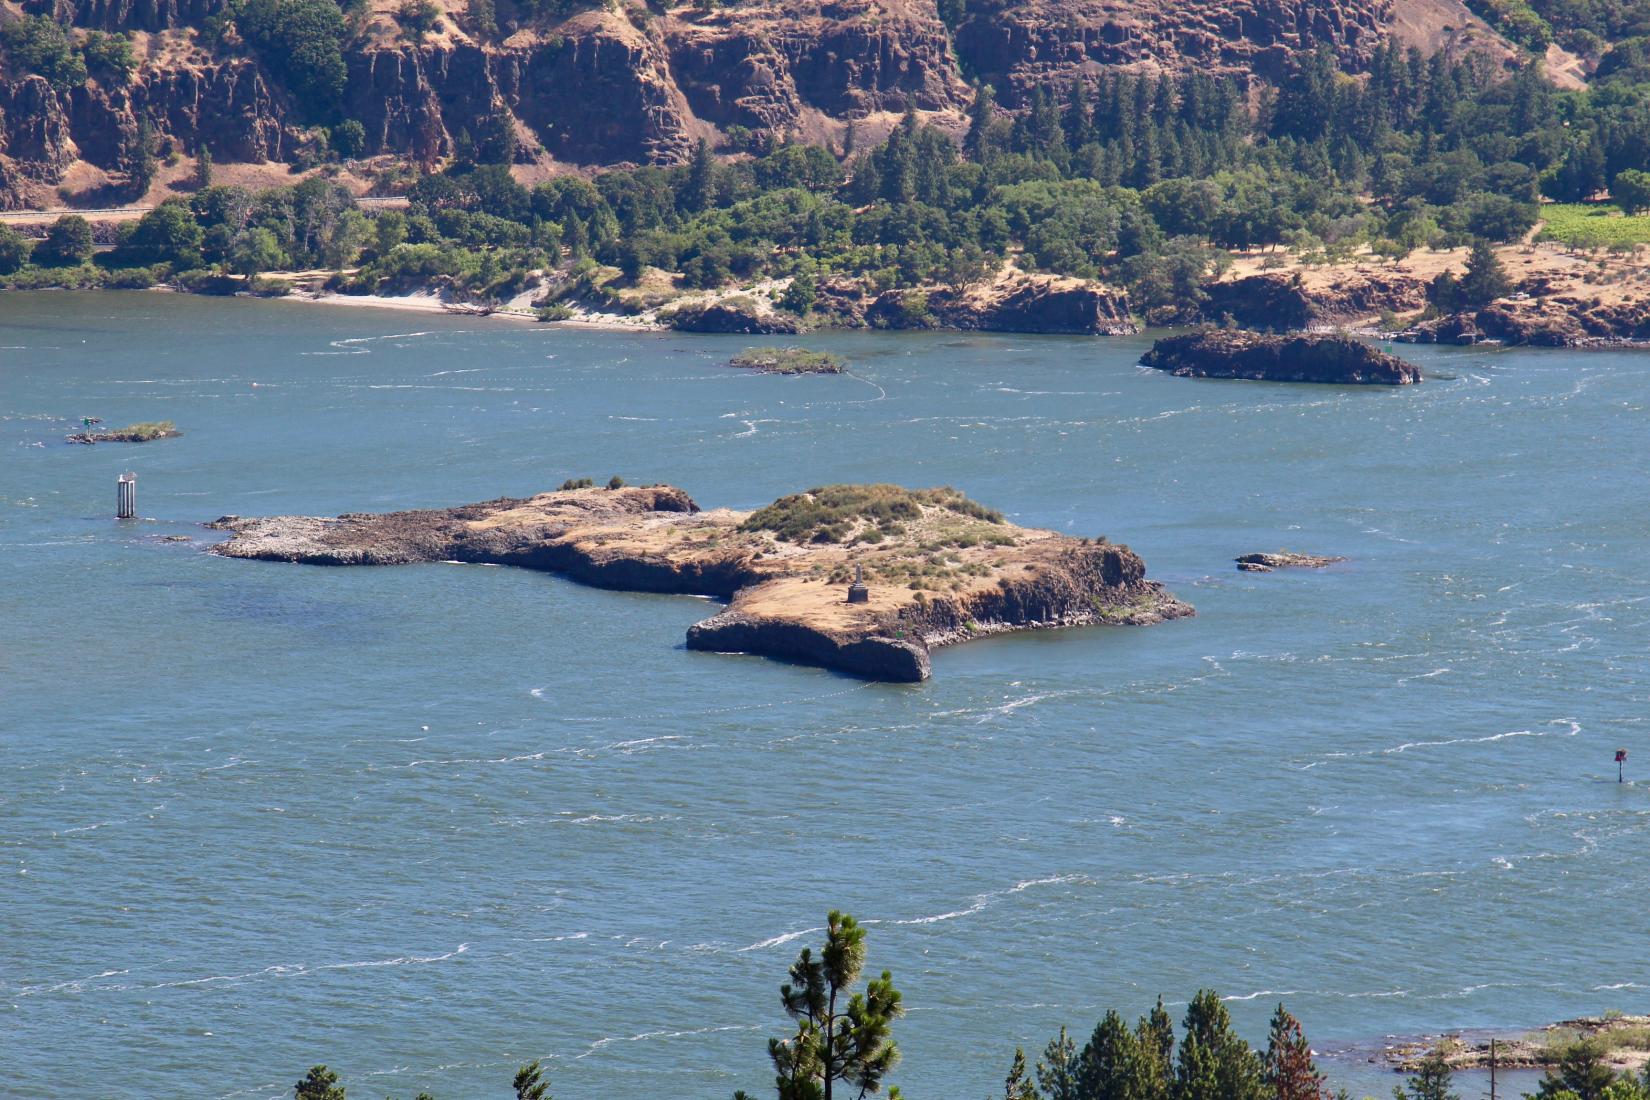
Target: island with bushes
<point>865,579</point>
<point>144,432</point>
<point>788,361</point>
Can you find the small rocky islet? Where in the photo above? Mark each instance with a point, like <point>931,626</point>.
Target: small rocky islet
<point>1265,357</point>
<point>1283,559</point>
<point>788,360</point>
<point>133,433</point>
<point>864,579</point>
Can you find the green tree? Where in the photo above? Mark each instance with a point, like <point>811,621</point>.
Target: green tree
<point>389,230</point>
<point>1485,279</point>
<point>68,243</point>
<point>203,169</point>
<point>1431,1080</point>
<point>1214,1064</point>
<point>302,42</point>
<point>532,1083</point>
<point>39,44</point>
<point>109,56</point>
<point>167,234</point>
<point>800,296</point>
<point>1156,1033</point>
<point>1017,1085</point>
<point>851,1043</point>
<point>253,251</point>
<point>699,185</point>
<point>1581,1071</point>
<point>320,1083</point>
<point>1289,1072</point>
<point>349,138</point>
<point>14,250</point>
<point>1115,1066</point>
<point>1631,190</point>
<point>1058,1068</point>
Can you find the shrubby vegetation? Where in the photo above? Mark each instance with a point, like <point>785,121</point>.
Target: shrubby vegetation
<point>788,361</point>
<point>832,512</point>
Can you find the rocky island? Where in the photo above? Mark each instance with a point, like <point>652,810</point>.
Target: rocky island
<point>865,579</point>
<point>1283,559</point>
<point>787,361</point>
<point>1261,357</point>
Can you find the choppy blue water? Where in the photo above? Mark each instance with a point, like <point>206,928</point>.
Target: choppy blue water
<point>426,823</point>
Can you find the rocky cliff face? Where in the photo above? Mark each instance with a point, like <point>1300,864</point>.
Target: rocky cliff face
<point>626,85</point>
<point>1049,43</point>
<point>1275,302</point>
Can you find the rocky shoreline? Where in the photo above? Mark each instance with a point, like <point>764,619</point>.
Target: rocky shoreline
<point>937,568</point>
<point>1622,1036</point>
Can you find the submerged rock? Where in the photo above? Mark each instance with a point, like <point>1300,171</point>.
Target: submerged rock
<point>1337,360</point>
<point>939,568</point>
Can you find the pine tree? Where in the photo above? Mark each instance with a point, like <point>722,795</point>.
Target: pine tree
<point>1100,1067</point>
<point>699,189</point>
<point>1214,1064</point>
<point>531,1083</point>
<point>1581,1072</point>
<point>1057,1069</point>
<point>981,115</point>
<point>849,1043</point>
<point>1485,280</point>
<point>1017,1085</point>
<point>1431,1081</point>
<point>1156,1033</point>
<point>320,1083</point>
<point>1289,1072</point>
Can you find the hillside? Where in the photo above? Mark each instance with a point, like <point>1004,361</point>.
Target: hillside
<point>291,82</point>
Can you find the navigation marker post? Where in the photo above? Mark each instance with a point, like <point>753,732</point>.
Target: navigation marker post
<point>1621,759</point>
<point>126,496</point>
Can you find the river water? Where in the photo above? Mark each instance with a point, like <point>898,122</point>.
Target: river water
<point>426,823</point>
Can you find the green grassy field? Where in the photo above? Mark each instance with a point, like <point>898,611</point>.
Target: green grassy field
<point>1593,225</point>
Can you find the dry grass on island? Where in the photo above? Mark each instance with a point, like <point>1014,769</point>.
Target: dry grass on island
<point>938,568</point>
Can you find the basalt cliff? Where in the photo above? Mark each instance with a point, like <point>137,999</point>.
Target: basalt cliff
<point>628,82</point>
<point>865,579</point>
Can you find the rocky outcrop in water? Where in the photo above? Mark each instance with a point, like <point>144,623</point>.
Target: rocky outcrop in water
<point>1337,360</point>
<point>785,569</point>
<point>1283,559</point>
